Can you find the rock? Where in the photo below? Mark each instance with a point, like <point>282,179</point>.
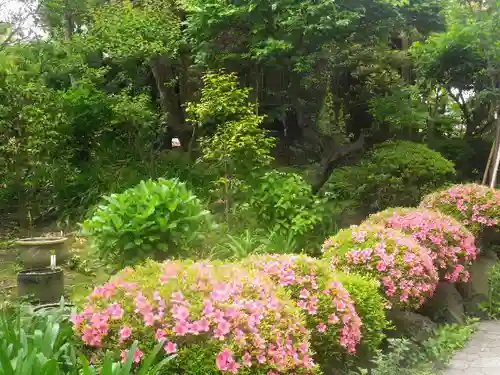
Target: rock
<point>446,306</point>
<point>411,324</point>
<point>489,238</point>
<point>477,288</point>
<point>474,307</point>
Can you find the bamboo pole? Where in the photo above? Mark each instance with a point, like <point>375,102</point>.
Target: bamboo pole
<point>488,165</point>
<point>497,158</point>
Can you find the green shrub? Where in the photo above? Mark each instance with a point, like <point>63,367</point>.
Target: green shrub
<point>371,307</point>
<point>344,313</point>
<point>156,219</point>
<point>331,317</point>
<point>216,317</point>
<point>452,247</point>
<point>284,202</point>
<point>475,206</point>
<point>403,267</point>
<point>394,173</point>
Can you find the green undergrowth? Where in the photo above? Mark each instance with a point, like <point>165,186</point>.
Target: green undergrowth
<point>404,356</point>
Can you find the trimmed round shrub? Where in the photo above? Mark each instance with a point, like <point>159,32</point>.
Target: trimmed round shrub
<point>215,317</point>
<point>403,267</point>
<point>331,308</point>
<point>157,219</point>
<point>283,201</point>
<point>475,206</point>
<point>371,308</point>
<point>394,173</point>
<point>452,247</point>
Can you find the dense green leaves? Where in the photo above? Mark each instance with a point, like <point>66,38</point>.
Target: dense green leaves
<point>157,219</point>
<point>32,344</point>
<point>93,108</point>
<point>284,203</point>
<point>393,174</point>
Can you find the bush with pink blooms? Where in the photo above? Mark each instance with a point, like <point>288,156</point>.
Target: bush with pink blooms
<point>331,310</point>
<point>475,206</point>
<point>403,267</point>
<point>452,247</point>
<point>217,318</point>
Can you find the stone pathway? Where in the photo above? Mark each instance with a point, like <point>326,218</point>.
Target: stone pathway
<point>481,355</point>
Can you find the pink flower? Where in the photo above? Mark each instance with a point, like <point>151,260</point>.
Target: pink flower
<point>396,260</point>
<point>224,359</point>
<point>137,356</point>
<point>321,327</point>
<point>77,320</point>
<point>333,319</point>
<point>247,359</point>
<point>170,347</point>
<point>115,311</point>
<point>304,294</point>
<point>125,333</point>
<point>160,334</point>
<point>241,306</point>
<point>181,328</point>
<point>180,312</point>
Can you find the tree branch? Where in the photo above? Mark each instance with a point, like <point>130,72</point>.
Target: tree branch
<point>327,164</point>
<point>463,107</point>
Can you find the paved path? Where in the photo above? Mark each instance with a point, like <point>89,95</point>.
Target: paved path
<point>481,355</point>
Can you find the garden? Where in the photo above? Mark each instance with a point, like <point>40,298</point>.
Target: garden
<point>318,197</point>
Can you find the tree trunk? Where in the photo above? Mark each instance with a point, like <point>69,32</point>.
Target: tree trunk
<point>167,84</point>
<point>333,155</point>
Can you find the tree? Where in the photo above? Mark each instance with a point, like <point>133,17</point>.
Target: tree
<point>18,21</point>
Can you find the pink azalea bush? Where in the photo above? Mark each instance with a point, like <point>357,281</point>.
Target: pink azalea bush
<point>403,267</point>
<point>217,318</point>
<point>475,206</point>
<point>452,247</point>
<point>331,310</point>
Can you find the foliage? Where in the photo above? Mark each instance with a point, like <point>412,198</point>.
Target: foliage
<point>309,280</point>
<point>394,173</point>
<point>469,155</point>
<point>409,358</point>
<point>35,343</point>
<point>371,307</point>
<point>202,309</point>
<point>403,267</point>
<point>124,30</point>
<point>58,134</point>
<point>464,60</point>
<point>452,247</point>
<point>492,305</point>
<point>284,202</point>
<point>331,316</point>
<point>402,109</point>
<point>475,206</point>
<point>239,145</point>
<point>128,365</point>
<point>238,245</point>
<point>153,219</point>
